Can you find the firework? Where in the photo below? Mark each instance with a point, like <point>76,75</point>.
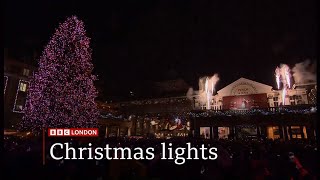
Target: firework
<point>287,75</point>
<point>206,89</point>
<point>284,92</point>
<point>278,77</point>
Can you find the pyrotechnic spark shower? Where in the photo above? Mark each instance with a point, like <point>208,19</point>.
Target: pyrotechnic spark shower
<point>284,91</point>
<point>206,84</point>
<point>208,93</point>
<point>212,86</point>
<point>205,91</point>
<point>283,74</point>
<point>278,77</point>
<point>287,75</point>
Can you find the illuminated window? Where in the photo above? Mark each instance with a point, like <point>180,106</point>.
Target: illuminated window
<point>205,132</point>
<point>23,86</point>
<point>296,132</point>
<point>273,132</point>
<point>223,132</point>
<point>20,99</point>
<point>26,72</point>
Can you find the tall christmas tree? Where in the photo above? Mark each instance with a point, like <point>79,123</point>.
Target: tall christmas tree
<point>62,92</point>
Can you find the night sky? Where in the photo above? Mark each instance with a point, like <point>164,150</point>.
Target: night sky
<point>138,42</point>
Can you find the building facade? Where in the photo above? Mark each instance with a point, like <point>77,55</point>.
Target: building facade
<point>248,108</point>
<point>159,117</point>
<point>244,94</point>
<point>16,81</point>
<point>244,108</point>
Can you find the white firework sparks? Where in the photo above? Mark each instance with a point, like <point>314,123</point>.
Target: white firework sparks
<point>206,89</point>
<point>277,71</point>
<point>284,92</point>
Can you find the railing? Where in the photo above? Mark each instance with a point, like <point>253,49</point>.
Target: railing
<point>304,109</point>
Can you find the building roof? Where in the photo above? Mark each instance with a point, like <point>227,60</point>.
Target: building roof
<point>249,85</point>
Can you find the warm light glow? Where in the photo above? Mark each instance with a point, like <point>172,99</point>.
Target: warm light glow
<point>271,132</point>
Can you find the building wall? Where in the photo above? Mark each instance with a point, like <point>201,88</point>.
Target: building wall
<point>293,97</point>
<point>247,89</point>
<point>16,79</point>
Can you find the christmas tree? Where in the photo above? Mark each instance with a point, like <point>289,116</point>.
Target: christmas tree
<point>61,91</point>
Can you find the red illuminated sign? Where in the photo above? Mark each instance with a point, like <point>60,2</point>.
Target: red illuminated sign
<point>245,102</point>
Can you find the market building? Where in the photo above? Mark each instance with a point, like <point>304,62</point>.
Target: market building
<point>244,108</point>
<point>248,108</point>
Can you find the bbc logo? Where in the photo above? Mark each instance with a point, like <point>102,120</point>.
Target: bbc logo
<point>74,132</point>
<point>59,132</point>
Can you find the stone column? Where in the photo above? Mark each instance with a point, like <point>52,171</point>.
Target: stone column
<point>194,128</point>
<point>215,132</point>
<point>263,131</point>
<point>235,132</point>
<point>148,126</point>
<point>118,131</point>
<point>301,132</point>
<point>290,132</point>
<point>211,132</point>
<point>129,131</point>
<point>231,132</point>
<point>310,132</point>
<point>280,132</point>
<point>106,135</point>
<point>258,132</point>
<point>134,126</point>
<point>286,135</point>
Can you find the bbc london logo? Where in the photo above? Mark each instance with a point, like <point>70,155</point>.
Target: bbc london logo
<point>73,132</point>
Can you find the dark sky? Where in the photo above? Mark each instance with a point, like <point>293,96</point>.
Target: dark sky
<point>138,42</point>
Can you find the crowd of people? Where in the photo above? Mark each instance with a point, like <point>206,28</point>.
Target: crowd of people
<point>237,159</point>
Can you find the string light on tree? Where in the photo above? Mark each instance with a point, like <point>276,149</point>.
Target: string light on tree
<point>5,84</point>
<point>61,92</point>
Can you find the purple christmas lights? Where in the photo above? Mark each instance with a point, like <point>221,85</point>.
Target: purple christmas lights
<point>62,92</point>
<point>5,84</point>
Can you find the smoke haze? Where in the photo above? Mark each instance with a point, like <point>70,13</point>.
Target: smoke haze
<point>305,72</point>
